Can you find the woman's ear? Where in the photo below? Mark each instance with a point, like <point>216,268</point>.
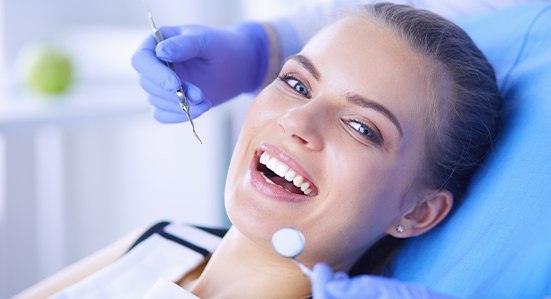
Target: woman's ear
<point>431,210</point>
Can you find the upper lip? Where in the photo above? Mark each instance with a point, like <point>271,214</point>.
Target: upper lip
<point>291,162</point>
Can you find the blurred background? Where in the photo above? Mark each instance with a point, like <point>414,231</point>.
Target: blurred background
<point>84,166</point>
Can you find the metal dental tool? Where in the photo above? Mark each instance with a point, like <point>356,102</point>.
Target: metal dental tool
<point>180,92</point>
<point>289,242</point>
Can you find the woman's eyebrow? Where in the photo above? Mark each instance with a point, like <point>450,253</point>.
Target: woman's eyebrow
<point>367,103</point>
<point>351,97</point>
<point>307,64</point>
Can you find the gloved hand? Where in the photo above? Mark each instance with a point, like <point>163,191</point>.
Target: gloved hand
<point>329,285</point>
<point>213,65</point>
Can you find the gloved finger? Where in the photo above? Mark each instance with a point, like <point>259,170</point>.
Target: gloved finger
<point>171,31</point>
<point>193,93</point>
<point>197,110</point>
<point>155,90</point>
<point>169,104</point>
<point>367,286</point>
<point>340,275</point>
<point>192,42</point>
<point>149,43</point>
<point>168,112</point>
<point>145,62</point>
<point>321,275</point>
<point>169,101</point>
<point>362,287</point>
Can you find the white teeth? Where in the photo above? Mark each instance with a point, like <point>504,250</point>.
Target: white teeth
<point>298,180</point>
<point>281,169</point>
<point>284,171</point>
<point>264,158</point>
<point>290,175</point>
<point>272,164</point>
<point>267,179</point>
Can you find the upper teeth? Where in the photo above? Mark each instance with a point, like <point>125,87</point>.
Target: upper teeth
<point>284,171</point>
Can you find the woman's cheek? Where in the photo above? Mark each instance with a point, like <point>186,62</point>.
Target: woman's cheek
<point>263,112</point>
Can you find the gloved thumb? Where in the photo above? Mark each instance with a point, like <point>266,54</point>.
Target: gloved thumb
<point>367,286</point>
<point>188,43</point>
<point>194,94</point>
<point>355,288</point>
<point>321,275</point>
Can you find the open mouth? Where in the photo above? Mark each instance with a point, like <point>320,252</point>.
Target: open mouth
<point>280,174</point>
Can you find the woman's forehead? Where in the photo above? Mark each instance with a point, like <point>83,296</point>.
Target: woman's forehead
<point>356,55</point>
<point>363,40</point>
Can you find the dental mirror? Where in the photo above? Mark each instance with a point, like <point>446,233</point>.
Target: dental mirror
<point>289,242</point>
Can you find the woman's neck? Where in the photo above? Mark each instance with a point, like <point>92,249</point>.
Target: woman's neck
<point>240,268</point>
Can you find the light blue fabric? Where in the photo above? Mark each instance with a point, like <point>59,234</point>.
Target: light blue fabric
<point>498,244</point>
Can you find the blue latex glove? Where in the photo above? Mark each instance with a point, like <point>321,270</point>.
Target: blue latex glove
<point>329,285</point>
<point>213,65</point>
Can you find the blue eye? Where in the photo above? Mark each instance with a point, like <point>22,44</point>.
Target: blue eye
<point>365,131</point>
<point>295,84</point>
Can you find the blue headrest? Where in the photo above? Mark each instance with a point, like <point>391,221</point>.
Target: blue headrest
<point>498,244</point>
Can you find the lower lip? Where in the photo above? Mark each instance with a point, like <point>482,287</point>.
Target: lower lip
<point>272,191</point>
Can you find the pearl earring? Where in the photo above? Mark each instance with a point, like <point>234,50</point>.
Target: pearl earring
<point>400,228</point>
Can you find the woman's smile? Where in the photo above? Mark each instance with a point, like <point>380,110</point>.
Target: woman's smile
<point>276,174</point>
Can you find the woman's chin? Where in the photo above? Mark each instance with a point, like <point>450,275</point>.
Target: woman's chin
<point>257,218</point>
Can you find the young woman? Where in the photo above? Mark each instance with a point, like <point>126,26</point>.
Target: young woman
<point>386,115</point>
<point>369,135</point>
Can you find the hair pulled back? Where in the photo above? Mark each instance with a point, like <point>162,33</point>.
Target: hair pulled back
<point>462,122</point>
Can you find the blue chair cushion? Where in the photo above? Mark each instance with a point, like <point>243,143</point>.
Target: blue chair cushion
<point>498,244</point>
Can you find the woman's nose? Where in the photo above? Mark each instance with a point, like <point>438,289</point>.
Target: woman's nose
<point>305,125</point>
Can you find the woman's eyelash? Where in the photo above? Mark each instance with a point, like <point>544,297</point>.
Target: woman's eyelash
<point>294,83</point>
<point>366,131</point>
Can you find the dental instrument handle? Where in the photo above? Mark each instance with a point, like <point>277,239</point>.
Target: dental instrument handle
<point>180,93</point>
<point>307,271</point>
<point>185,106</point>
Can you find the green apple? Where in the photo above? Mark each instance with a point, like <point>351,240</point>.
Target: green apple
<point>45,69</point>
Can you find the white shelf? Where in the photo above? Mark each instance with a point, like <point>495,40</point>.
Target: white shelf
<point>84,102</point>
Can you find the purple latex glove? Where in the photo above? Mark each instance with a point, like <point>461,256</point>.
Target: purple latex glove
<point>328,285</point>
<point>212,64</point>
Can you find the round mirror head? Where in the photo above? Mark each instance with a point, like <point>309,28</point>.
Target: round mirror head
<point>288,242</point>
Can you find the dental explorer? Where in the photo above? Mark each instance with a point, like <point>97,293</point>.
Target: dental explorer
<point>289,242</point>
<point>180,92</point>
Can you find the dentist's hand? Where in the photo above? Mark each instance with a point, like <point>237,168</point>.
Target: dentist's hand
<point>328,285</point>
<point>213,65</point>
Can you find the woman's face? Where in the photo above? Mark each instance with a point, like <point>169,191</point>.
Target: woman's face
<point>345,122</point>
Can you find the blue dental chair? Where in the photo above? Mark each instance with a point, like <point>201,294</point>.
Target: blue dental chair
<point>498,244</point>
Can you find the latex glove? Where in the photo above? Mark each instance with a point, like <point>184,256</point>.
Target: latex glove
<point>213,65</point>
<point>328,285</point>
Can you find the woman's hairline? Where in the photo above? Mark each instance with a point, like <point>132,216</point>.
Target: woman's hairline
<point>435,79</point>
